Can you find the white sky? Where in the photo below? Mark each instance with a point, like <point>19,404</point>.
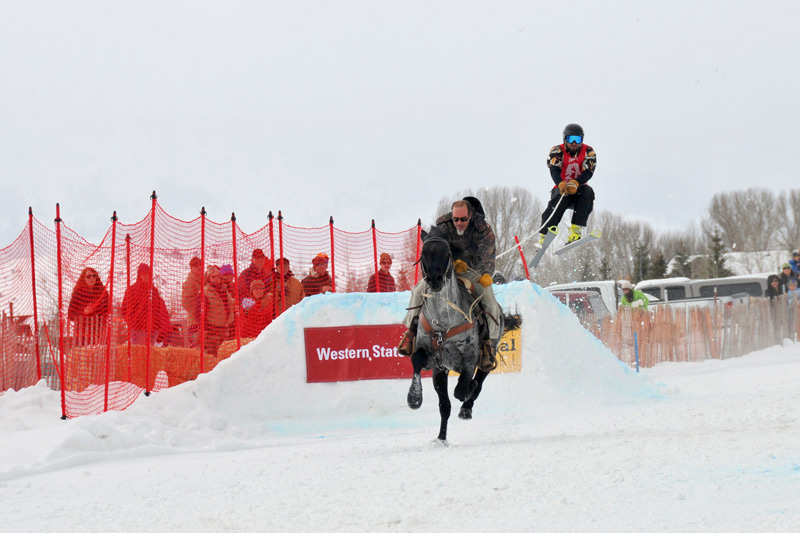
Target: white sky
<point>575,442</point>
<point>365,110</point>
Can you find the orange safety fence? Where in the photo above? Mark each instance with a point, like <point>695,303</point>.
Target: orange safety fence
<point>718,331</point>
<point>134,306</point>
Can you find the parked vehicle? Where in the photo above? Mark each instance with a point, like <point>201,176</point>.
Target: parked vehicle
<point>587,305</point>
<point>677,289</point>
<point>608,291</point>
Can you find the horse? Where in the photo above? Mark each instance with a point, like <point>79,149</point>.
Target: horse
<point>448,333</point>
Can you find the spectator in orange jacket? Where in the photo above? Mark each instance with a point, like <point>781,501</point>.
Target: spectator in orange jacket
<point>287,295</point>
<point>190,291</point>
<point>385,279</point>
<point>318,281</point>
<point>220,309</point>
<point>140,301</point>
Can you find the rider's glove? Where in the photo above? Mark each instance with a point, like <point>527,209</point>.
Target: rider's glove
<point>460,266</point>
<point>486,280</point>
<point>572,187</point>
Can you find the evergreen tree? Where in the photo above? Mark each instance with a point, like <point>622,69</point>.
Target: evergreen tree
<point>716,260</point>
<point>658,268</point>
<point>641,262</point>
<point>604,269</point>
<point>682,267</point>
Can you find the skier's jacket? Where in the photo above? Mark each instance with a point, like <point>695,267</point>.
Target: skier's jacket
<point>478,241</point>
<point>565,166</point>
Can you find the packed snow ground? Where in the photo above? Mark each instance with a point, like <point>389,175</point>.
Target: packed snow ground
<point>575,442</point>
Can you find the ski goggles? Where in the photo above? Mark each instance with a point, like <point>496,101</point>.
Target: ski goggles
<point>576,139</point>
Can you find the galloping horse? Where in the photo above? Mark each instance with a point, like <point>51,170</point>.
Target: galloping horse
<point>448,332</point>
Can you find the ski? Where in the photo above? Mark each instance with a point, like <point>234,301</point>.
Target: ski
<point>593,236</point>
<point>549,237</point>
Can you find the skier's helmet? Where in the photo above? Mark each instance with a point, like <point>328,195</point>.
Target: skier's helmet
<point>573,129</point>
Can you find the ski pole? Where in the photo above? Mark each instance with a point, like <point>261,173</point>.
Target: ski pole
<point>544,225</point>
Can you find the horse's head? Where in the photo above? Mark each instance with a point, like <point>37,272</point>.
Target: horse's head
<point>436,260</point>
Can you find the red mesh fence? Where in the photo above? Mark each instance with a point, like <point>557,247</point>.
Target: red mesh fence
<point>161,300</point>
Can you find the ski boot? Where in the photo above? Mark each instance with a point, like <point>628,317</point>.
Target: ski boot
<point>540,242</point>
<point>574,233</point>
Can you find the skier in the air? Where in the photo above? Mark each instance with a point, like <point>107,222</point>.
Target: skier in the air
<point>571,165</point>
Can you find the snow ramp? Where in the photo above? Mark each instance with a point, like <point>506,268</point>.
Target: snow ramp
<point>261,393</point>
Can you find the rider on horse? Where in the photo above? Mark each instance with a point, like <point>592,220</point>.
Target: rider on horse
<point>465,227</point>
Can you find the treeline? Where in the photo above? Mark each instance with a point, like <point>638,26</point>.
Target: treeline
<point>752,220</point>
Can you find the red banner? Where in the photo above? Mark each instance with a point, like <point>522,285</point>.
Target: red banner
<point>352,353</point>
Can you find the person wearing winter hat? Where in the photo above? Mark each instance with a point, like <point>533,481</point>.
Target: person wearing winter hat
<point>571,166</point>
<point>794,262</point>
<point>385,280</point>
<point>631,297</point>
<point>786,275</point>
<point>318,281</point>
<point>261,268</point>
<point>287,293</point>
<point>190,291</point>
<point>138,309</point>
<point>793,294</point>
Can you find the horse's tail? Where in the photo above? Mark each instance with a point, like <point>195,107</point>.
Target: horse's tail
<point>511,322</point>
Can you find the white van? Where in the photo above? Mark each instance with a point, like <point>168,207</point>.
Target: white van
<point>676,289</point>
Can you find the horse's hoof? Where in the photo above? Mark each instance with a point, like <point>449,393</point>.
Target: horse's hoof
<point>414,398</point>
<point>465,414</point>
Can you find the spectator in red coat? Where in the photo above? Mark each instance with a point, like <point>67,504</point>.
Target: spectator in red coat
<point>137,305</point>
<point>88,308</point>
<point>385,279</point>
<point>318,281</point>
<point>260,268</point>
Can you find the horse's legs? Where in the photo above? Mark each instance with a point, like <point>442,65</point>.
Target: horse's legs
<point>440,386</point>
<point>466,408</point>
<point>414,398</point>
<point>465,386</point>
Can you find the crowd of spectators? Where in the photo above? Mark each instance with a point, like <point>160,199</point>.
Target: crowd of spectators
<point>211,299</point>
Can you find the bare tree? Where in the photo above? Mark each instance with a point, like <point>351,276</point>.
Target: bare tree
<point>789,233</point>
<point>745,219</point>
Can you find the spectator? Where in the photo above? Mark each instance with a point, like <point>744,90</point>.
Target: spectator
<point>260,268</point>
<point>282,298</point>
<point>220,307</point>
<point>385,279</point>
<point>786,275</point>
<point>88,308</point>
<point>318,281</point>
<point>794,262</point>
<point>226,271</point>
<point>631,297</point>
<point>774,288</point>
<point>189,295</point>
<point>257,310</point>
<point>793,294</point>
<point>141,301</point>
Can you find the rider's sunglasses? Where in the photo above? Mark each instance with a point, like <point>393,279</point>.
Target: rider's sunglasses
<point>575,139</point>
<point>461,219</point>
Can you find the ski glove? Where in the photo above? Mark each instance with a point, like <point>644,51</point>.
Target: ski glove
<point>460,266</point>
<point>562,187</point>
<point>572,187</point>
<point>486,280</point>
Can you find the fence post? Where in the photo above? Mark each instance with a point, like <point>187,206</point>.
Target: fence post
<point>522,255</point>
<point>35,308</point>
<point>128,286</point>
<point>153,197</point>
<point>237,308</point>
<point>271,237</point>
<point>109,320</point>
<point>202,286</point>
<point>416,254</point>
<point>280,248</point>
<point>375,258</point>
<point>333,260</point>
<point>636,349</point>
<point>61,361</point>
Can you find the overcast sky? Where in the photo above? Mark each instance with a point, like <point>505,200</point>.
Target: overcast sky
<point>365,110</point>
